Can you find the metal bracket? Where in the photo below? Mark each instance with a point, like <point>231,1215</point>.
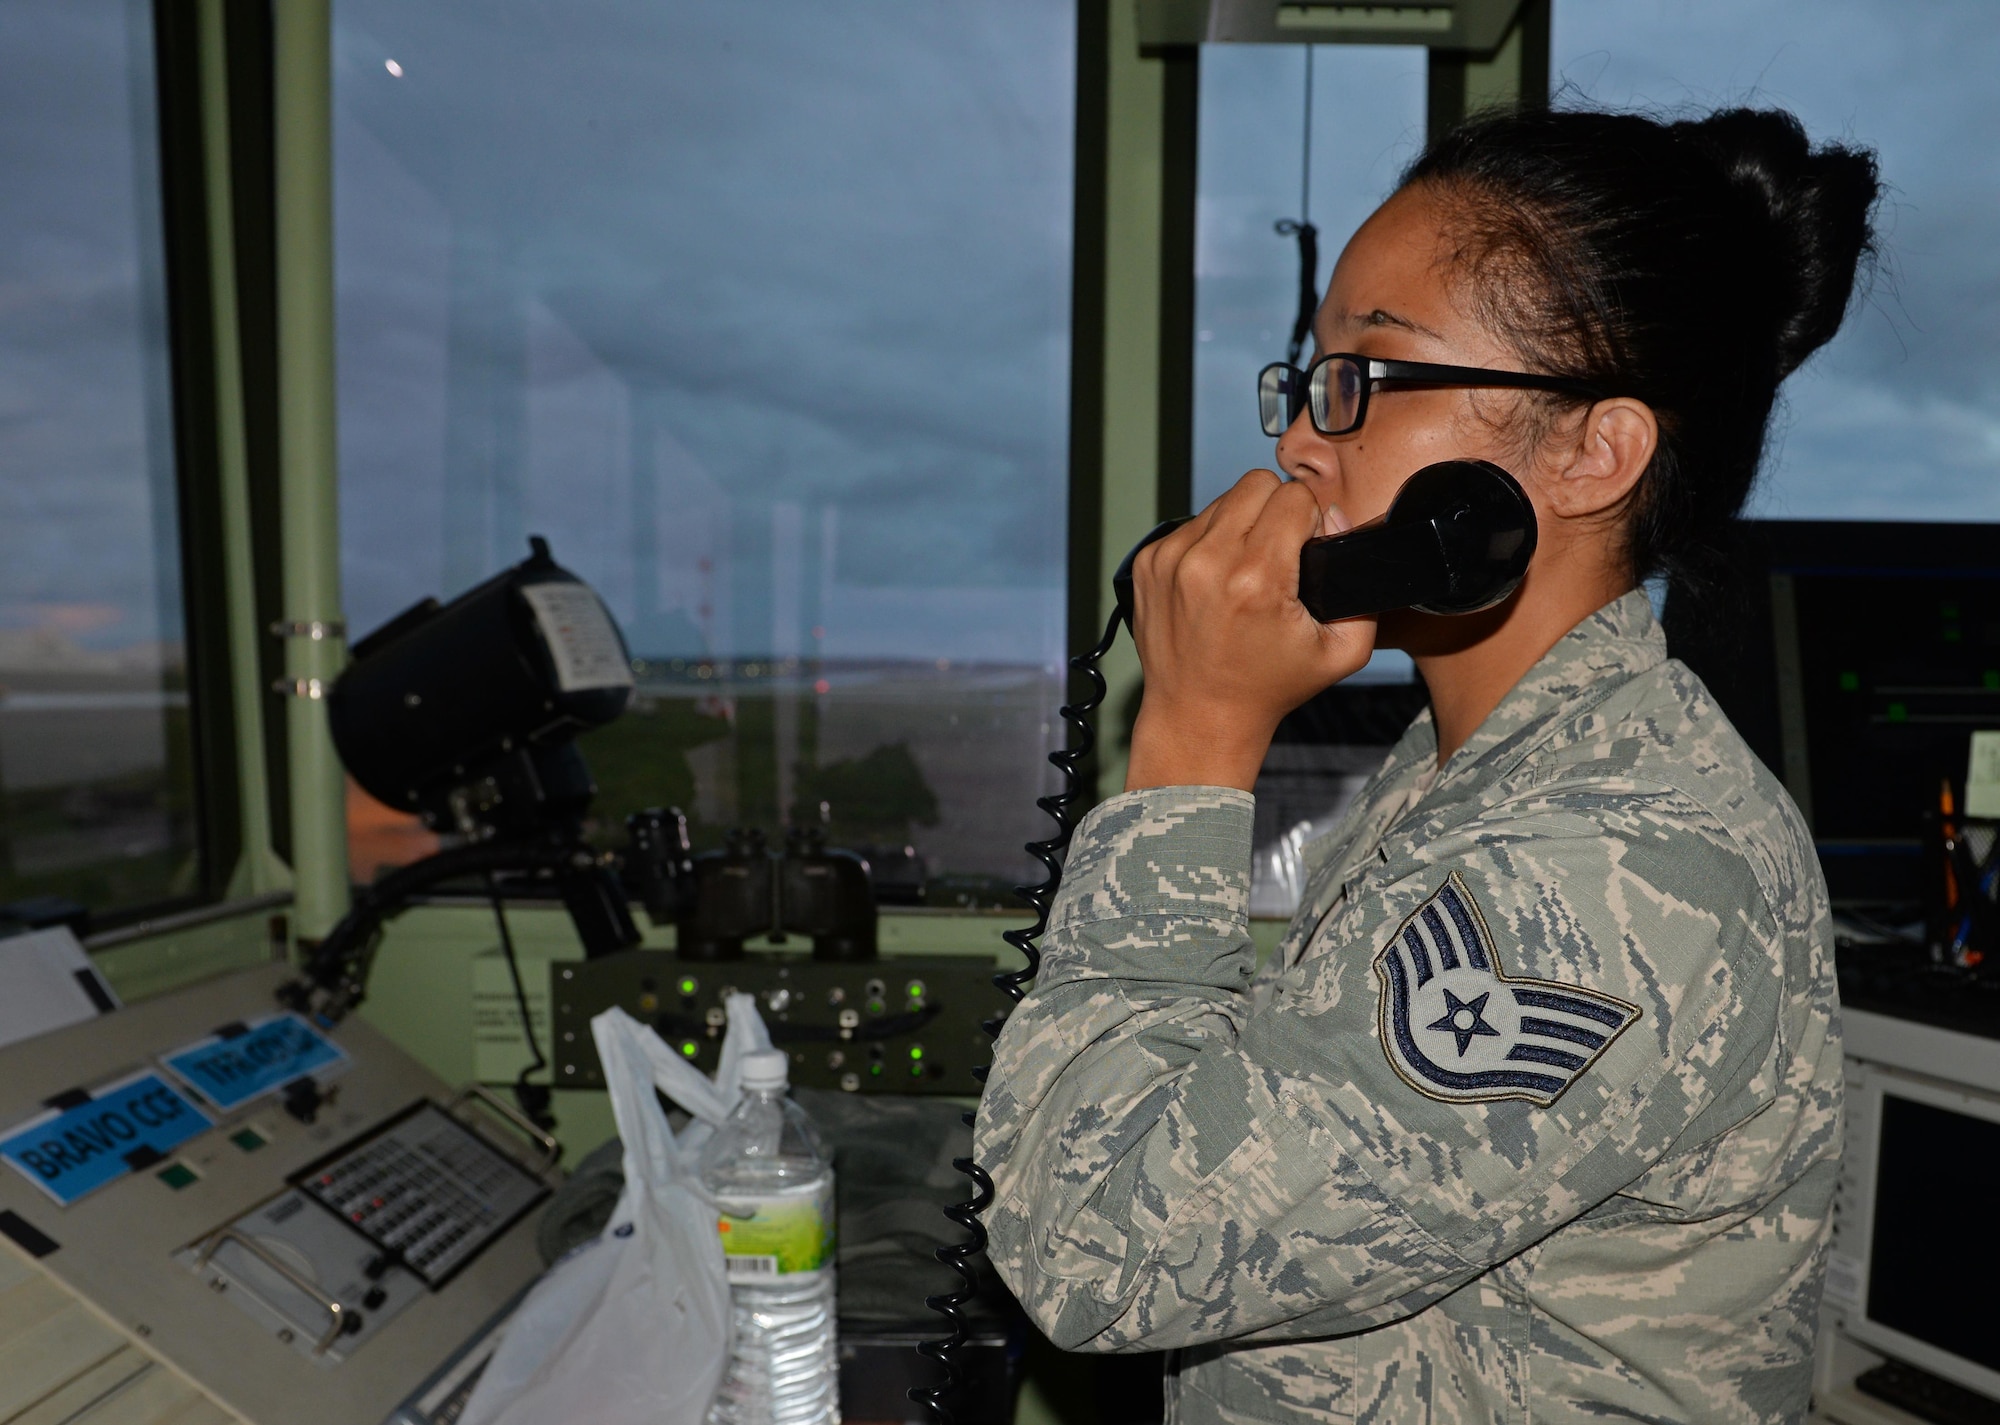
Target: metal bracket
<point>513,1117</point>
<point>315,629</point>
<point>1476,26</point>
<point>334,1309</point>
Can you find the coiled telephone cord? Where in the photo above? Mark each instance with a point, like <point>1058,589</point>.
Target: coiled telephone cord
<point>1061,807</point>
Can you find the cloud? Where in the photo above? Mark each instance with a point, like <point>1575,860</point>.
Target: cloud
<point>1895,418</point>
<point>826,247</point>
<point>86,502</point>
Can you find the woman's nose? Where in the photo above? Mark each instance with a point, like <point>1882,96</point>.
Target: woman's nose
<point>1303,453</point>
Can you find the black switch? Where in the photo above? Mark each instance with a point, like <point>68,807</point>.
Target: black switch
<point>302,1099</point>
<point>375,1297</point>
<point>350,1322</point>
<point>374,1267</point>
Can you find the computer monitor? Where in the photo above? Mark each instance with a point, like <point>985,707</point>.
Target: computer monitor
<point>1857,659</point>
<point>1912,1250</point>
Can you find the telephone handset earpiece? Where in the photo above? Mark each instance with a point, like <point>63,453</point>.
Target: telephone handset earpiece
<point>1457,539</point>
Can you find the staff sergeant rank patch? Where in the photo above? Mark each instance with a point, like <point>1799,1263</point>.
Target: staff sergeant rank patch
<point>1458,1029</point>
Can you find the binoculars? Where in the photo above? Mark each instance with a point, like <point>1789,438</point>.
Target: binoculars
<point>718,899</point>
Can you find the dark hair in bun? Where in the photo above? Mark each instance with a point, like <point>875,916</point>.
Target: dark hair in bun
<point>1691,264</point>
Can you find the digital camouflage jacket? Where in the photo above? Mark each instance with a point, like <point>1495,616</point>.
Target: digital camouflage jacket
<point>1534,1116</point>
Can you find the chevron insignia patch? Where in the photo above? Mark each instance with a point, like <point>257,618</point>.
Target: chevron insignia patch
<point>1459,1029</point>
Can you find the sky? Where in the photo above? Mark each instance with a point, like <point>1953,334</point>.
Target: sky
<point>775,288</point>
<point>760,310</point>
<point>1897,418</point>
<point>1368,121</point>
<point>86,515</point>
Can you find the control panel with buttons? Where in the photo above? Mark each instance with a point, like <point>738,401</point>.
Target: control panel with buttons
<point>425,1190</point>
<point>304,1277</point>
<point>317,1227</point>
<point>910,1024</point>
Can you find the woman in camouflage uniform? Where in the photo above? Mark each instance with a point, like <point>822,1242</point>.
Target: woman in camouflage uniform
<point>1535,1115</point>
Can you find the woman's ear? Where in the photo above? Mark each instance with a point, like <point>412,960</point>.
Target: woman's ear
<point>1597,463</point>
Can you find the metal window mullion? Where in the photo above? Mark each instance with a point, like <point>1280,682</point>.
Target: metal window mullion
<point>258,868</point>
<point>308,469</point>
<point>1131,327</point>
<point>1515,72</point>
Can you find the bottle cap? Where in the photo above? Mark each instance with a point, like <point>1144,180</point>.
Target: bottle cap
<point>765,1069</point>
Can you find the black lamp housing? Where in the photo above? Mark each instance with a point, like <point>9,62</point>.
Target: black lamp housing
<point>465,712</point>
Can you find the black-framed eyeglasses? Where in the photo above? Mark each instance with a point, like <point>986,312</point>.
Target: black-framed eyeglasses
<point>1336,389</point>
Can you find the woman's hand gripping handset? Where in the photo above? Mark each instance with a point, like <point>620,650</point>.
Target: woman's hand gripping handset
<point>1226,646</point>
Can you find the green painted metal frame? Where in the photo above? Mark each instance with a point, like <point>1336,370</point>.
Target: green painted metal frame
<point>162,960</point>
<point>1514,72</point>
<point>1132,328</point>
<point>308,465</point>
<point>245,94</point>
<point>222,921</point>
<point>258,869</point>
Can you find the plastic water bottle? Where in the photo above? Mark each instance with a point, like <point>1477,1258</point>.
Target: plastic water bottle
<point>773,1189</point>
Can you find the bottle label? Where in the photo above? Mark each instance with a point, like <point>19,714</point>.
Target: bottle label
<point>765,1239</point>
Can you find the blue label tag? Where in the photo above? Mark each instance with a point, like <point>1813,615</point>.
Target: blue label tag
<point>232,1069</point>
<point>122,1128</point>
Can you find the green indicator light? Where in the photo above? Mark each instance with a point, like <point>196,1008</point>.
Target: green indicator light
<point>1898,713</point>
<point>1951,634</point>
<point>875,1068</point>
<point>690,1048</point>
<point>916,989</point>
<point>687,987</point>
<point>1991,678</point>
<point>1849,682</point>
<point>916,1051</point>
<point>916,1071</point>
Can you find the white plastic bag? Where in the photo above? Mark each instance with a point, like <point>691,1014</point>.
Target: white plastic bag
<point>632,1328</point>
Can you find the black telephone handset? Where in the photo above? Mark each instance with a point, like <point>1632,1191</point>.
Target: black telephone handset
<point>1457,539</point>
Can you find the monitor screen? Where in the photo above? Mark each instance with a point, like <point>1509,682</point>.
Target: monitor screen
<point>1933,1254</point>
<point>1896,670</point>
<point>1857,660</point>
